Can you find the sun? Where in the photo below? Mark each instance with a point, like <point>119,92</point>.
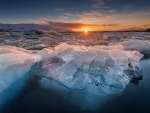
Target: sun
<point>86,29</point>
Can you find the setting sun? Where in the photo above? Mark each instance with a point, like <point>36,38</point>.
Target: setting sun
<point>86,29</point>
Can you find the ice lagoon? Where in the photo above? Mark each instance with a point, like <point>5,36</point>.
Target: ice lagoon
<point>74,72</point>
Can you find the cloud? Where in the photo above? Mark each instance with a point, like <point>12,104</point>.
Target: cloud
<point>146,25</point>
<point>75,25</point>
<point>127,7</point>
<point>97,20</point>
<point>90,14</point>
<point>69,25</point>
<point>93,16</point>
<point>78,26</point>
<point>84,17</point>
<point>63,17</point>
<point>41,20</point>
<point>133,28</point>
<point>68,14</point>
<point>60,9</point>
<point>111,11</point>
<point>99,4</point>
<point>140,26</point>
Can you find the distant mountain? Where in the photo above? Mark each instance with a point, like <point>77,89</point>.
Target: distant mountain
<point>26,27</point>
<point>147,30</point>
<point>135,30</point>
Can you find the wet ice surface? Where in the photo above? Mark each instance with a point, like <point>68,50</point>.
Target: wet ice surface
<point>68,75</point>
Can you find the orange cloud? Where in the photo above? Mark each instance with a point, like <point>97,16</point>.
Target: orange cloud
<point>77,26</point>
<point>97,20</point>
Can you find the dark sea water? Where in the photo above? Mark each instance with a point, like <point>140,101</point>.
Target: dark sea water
<point>39,99</point>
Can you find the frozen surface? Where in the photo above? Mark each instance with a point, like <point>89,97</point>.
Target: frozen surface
<point>108,69</point>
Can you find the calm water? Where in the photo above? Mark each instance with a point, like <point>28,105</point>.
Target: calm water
<point>39,99</point>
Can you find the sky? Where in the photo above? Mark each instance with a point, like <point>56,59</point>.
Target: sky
<point>94,15</point>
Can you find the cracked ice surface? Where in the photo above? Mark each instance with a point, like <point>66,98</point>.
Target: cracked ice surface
<point>108,69</point>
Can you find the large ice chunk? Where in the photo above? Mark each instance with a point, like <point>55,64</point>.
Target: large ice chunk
<point>138,45</point>
<point>107,68</point>
<point>13,49</point>
<point>15,66</point>
<point>14,63</point>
